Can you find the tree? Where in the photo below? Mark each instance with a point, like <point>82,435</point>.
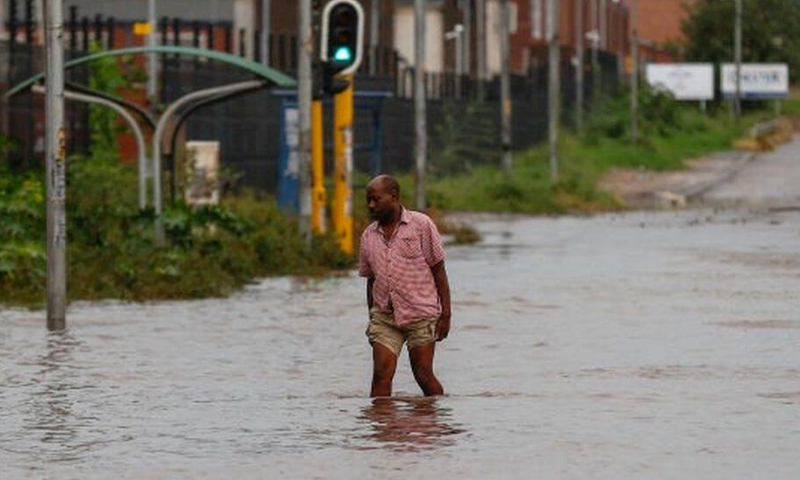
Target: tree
<point>770,32</point>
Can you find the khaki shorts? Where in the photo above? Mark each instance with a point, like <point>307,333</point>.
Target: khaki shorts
<point>382,329</point>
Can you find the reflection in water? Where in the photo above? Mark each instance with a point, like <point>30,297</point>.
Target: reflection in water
<point>51,406</point>
<point>410,424</point>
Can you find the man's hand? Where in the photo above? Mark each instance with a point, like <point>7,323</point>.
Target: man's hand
<point>443,327</point>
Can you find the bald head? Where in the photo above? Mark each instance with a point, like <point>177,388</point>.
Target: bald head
<point>385,183</point>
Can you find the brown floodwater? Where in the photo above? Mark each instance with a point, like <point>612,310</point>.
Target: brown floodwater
<point>645,345</point>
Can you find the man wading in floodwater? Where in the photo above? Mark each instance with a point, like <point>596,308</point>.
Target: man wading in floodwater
<point>407,291</point>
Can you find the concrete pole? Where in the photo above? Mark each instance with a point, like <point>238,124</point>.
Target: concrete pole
<point>266,28</point>
<point>419,101</point>
<point>505,86</point>
<point>55,148</point>
<point>579,40</point>
<point>604,24</point>
<point>737,53</point>
<point>374,23</point>
<point>152,66</point>
<point>635,72</point>
<point>480,46</point>
<point>304,53</point>
<point>553,93</point>
<point>467,36</point>
<point>595,55</point>
<point>459,39</point>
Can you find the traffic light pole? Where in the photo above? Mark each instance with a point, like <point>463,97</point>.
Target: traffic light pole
<point>343,166</point>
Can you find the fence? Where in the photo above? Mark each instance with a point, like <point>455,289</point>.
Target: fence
<point>463,130</point>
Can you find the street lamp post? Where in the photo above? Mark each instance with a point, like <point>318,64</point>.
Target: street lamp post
<point>457,35</point>
<point>737,101</point>
<point>55,147</point>
<point>152,67</point>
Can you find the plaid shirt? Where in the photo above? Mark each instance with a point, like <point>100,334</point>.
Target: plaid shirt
<point>401,267</point>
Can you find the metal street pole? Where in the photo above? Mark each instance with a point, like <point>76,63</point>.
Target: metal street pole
<point>553,94</point>
<point>152,67</point>
<point>266,28</point>
<point>55,147</point>
<point>304,91</point>
<point>480,45</point>
<point>635,72</point>
<point>419,101</point>
<point>505,87</point>
<point>737,101</point>
<point>466,36</point>
<point>374,23</point>
<point>459,30</point>
<point>595,54</point>
<point>603,24</point>
<point>579,40</point>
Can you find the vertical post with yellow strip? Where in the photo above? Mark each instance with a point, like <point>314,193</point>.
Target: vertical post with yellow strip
<point>317,169</point>
<point>343,167</point>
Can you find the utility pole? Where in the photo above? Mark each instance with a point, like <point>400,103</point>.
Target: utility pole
<point>737,53</point>
<point>304,52</point>
<point>374,23</point>
<point>152,67</point>
<point>603,24</point>
<point>505,87</point>
<point>635,72</point>
<point>55,147</point>
<point>466,12</point>
<point>480,44</point>
<point>595,54</point>
<point>553,94</point>
<point>419,100</point>
<point>266,28</point>
<point>579,40</point>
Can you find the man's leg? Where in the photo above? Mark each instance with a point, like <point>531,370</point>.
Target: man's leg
<point>422,366</point>
<point>384,364</point>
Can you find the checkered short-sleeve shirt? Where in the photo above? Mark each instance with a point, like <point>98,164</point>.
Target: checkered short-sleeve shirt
<point>401,267</point>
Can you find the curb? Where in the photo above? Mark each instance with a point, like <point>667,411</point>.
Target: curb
<point>694,192</point>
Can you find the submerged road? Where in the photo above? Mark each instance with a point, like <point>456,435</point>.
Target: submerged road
<point>625,346</point>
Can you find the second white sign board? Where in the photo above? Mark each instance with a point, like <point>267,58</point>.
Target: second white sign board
<point>759,80</point>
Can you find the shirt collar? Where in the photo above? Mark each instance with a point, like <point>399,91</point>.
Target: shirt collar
<point>405,217</point>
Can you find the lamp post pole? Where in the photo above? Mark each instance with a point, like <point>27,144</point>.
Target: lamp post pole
<point>419,101</point>
<point>55,147</point>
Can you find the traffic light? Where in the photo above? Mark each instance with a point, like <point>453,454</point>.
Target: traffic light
<point>342,35</point>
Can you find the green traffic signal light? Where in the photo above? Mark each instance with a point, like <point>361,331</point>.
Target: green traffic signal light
<point>342,35</point>
<point>343,54</point>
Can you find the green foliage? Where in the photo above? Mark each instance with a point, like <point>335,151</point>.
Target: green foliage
<point>105,76</point>
<point>670,132</point>
<point>769,32</point>
<point>111,253</point>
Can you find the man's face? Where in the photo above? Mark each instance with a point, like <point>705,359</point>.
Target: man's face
<point>380,202</point>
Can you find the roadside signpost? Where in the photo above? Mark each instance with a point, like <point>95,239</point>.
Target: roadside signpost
<point>758,81</point>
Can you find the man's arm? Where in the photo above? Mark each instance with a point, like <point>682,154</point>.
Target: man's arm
<point>370,283</point>
<point>443,287</point>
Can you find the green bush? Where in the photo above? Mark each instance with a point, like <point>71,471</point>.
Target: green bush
<point>111,252</point>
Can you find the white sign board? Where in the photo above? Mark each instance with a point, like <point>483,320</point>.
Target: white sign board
<point>759,80</point>
<point>686,81</point>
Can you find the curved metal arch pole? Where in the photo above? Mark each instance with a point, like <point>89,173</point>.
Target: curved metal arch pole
<point>185,115</point>
<point>137,131</point>
<point>148,117</point>
<point>161,126</point>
